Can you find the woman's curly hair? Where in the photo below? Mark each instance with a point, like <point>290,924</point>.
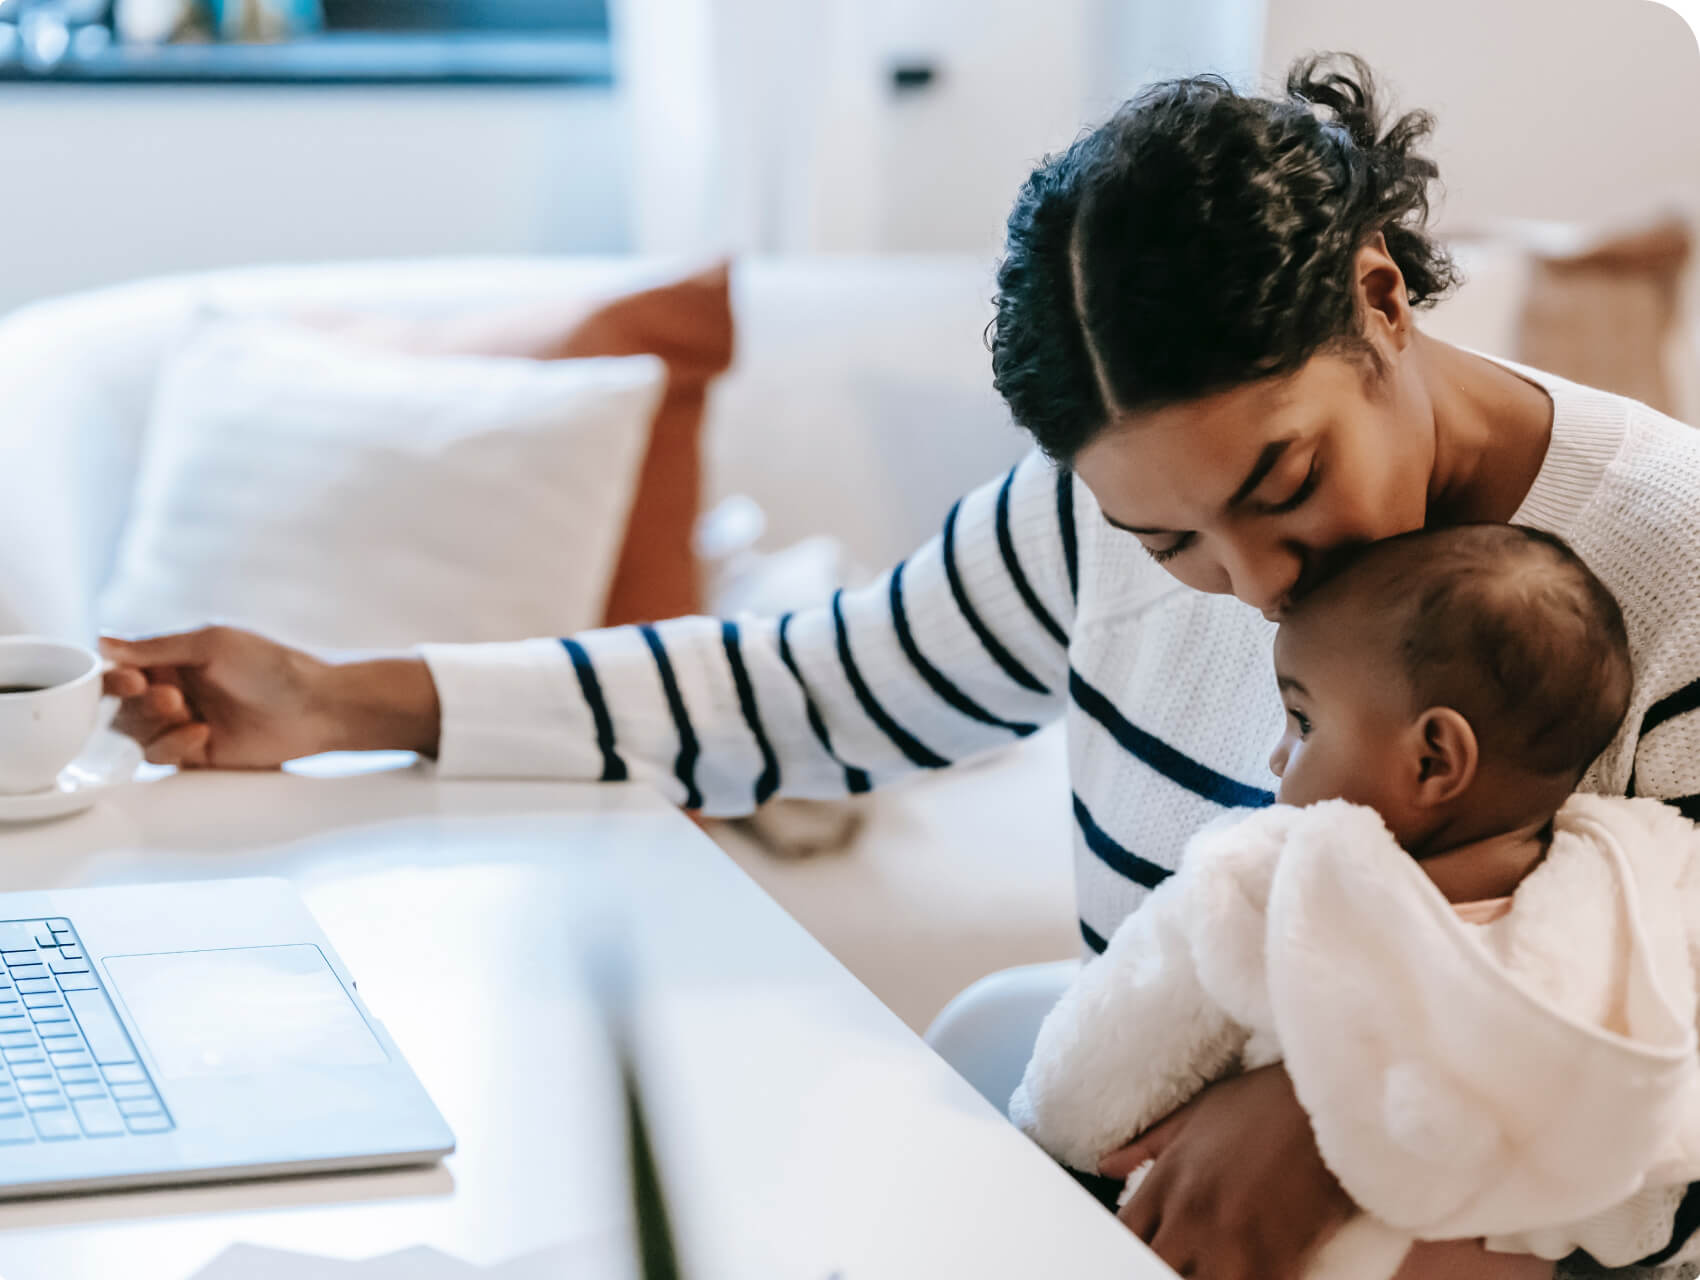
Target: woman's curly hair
<point>1202,239</point>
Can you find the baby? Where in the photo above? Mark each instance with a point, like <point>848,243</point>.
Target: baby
<point>1482,984</point>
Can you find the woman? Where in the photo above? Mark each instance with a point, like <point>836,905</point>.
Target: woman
<point>1205,317</point>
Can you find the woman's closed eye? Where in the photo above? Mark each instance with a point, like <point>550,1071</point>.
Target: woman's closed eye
<point>1162,555</point>
<point>1293,501</point>
<point>1307,486</point>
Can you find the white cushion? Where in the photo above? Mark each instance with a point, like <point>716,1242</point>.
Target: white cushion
<point>331,495</point>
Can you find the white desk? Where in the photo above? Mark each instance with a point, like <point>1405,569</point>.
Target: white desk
<point>804,1130</point>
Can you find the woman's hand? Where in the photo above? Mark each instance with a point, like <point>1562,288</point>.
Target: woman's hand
<point>1238,1190</point>
<point>229,699</point>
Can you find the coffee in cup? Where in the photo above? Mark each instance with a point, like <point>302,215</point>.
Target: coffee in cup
<point>49,707</point>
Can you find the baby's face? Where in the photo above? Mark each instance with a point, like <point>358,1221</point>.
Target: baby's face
<point>1347,720</point>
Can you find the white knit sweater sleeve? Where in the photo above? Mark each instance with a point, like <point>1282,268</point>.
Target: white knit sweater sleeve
<point>960,649</point>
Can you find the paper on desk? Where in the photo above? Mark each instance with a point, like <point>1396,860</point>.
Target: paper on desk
<point>251,1262</point>
<point>600,1258</point>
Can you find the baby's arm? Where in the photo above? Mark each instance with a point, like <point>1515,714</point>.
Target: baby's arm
<point>1133,1038</point>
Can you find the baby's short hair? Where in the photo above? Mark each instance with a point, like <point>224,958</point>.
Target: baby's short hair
<point>1505,625</point>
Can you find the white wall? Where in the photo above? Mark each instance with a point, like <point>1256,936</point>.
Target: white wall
<point>110,182</point>
<point>1558,109</point>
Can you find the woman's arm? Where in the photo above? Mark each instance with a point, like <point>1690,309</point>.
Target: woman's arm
<point>1667,752</point>
<point>960,649</point>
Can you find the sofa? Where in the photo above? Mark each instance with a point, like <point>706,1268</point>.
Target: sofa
<point>859,407</point>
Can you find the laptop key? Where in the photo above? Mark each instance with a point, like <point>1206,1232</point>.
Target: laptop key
<point>57,965</point>
<point>44,1101</point>
<point>101,1028</point>
<point>56,1126</point>
<point>78,982</point>
<point>16,1129</point>
<point>139,1106</point>
<point>28,972</point>
<point>98,1117</point>
<point>124,1073</point>
<point>44,1000</point>
<point>69,1058</point>
<point>134,1090</point>
<point>156,1123</point>
<point>84,1089</point>
<point>79,1075</point>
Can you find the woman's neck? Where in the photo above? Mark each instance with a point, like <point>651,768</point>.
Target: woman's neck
<point>1491,427</point>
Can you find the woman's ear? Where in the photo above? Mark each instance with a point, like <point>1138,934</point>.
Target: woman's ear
<point>1447,756</point>
<point>1383,300</point>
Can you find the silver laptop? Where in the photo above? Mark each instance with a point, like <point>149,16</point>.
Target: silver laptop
<point>190,1032</point>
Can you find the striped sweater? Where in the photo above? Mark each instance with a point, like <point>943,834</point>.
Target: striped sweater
<point>1029,606</point>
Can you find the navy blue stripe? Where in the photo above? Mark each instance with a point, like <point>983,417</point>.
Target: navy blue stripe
<point>1065,526</point>
<point>914,751</point>
<point>1006,544</point>
<point>1199,779</point>
<point>613,768</point>
<point>1000,655</point>
<point>1677,704</point>
<point>1093,938</point>
<point>1684,1223</point>
<point>1124,862</point>
<point>685,767</point>
<point>1689,807</point>
<point>856,781</point>
<point>768,783</point>
<point>936,680</point>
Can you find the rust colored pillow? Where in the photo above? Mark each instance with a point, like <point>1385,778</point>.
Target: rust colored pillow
<point>688,323</point>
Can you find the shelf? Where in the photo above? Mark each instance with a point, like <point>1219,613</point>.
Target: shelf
<point>345,58</point>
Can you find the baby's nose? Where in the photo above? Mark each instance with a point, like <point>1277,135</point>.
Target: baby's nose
<point>1278,759</point>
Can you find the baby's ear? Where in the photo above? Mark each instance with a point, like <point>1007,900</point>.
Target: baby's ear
<point>1447,756</point>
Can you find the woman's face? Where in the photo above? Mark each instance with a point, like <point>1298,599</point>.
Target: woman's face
<point>1249,492</point>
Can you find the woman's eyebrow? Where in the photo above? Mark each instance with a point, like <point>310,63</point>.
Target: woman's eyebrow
<point>1266,460</point>
<point>1260,470</point>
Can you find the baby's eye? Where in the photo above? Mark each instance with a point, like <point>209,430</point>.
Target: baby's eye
<point>1301,722</point>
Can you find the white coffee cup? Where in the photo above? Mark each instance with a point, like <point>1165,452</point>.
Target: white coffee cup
<point>49,708</point>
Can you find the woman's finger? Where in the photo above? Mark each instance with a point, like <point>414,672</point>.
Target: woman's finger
<point>135,721</point>
<point>165,703</point>
<point>184,649</point>
<point>1142,1214</point>
<point>185,745</point>
<point>124,682</point>
<point>1146,1147</point>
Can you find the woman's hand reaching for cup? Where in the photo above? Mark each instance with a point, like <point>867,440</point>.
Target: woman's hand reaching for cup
<point>222,698</point>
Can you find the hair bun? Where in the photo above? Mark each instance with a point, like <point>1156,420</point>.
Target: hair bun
<point>1342,85</point>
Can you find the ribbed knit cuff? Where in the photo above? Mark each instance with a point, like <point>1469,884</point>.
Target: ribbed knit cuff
<point>511,711</point>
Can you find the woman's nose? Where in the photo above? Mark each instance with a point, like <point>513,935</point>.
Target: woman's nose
<point>1263,576</point>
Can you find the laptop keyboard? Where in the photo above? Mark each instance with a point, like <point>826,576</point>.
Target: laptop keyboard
<point>67,1067</point>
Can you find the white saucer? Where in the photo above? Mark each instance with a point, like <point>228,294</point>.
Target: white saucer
<point>109,760</point>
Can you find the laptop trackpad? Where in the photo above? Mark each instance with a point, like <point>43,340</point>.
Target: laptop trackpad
<point>243,1010</point>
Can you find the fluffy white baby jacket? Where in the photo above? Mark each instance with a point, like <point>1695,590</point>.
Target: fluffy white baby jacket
<point>1533,1081</point>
